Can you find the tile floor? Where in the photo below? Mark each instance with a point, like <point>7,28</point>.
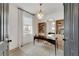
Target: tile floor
<point>39,49</point>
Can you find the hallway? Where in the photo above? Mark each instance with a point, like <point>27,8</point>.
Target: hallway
<point>39,49</point>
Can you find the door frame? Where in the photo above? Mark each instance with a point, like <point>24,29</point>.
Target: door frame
<point>4,28</point>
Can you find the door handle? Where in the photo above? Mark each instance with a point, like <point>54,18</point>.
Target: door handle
<point>64,39</point>
<point>9,41</point>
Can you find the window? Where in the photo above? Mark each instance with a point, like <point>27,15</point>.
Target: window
<point>27,23</point>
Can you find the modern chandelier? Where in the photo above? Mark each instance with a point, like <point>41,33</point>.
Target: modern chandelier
<point>40,13</point>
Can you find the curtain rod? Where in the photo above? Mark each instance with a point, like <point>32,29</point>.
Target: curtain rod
<point>26,11</point>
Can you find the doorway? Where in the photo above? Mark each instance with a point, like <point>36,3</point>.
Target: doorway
<point>71,42</point>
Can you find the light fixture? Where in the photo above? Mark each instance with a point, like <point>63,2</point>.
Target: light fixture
<point>40,13</point>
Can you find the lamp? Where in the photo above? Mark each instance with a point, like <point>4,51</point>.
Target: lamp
<point>40,13</point>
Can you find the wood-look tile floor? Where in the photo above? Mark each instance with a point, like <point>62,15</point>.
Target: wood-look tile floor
<point>39,49</point>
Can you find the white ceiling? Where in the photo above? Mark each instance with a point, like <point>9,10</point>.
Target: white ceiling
<point>47,8</point>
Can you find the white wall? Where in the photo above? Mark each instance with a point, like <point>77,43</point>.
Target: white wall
<point>20,28</point>
<point>35,25</point>
<point>12,25</point>
<point>56,15</point>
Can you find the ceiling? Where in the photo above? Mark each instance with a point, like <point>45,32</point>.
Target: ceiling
<point>47,8</point>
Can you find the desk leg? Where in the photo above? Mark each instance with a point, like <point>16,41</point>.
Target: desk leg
<point>34,41</point>
<point>55,49</point>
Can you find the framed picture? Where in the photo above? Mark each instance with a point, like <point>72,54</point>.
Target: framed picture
<point>42,28</point>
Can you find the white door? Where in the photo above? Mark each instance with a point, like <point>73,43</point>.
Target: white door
<point>71,31</point>
<point>4,42</point>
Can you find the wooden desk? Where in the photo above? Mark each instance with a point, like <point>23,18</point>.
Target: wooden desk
<point>46,39</point>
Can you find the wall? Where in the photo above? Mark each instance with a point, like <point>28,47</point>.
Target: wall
<point>35,25</point>
<point>56,15</point>
<point>15,28</point>
<point>12,26</point>
<point>20,28</point>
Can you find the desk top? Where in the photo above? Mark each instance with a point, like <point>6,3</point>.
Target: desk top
<point>44,38</point>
